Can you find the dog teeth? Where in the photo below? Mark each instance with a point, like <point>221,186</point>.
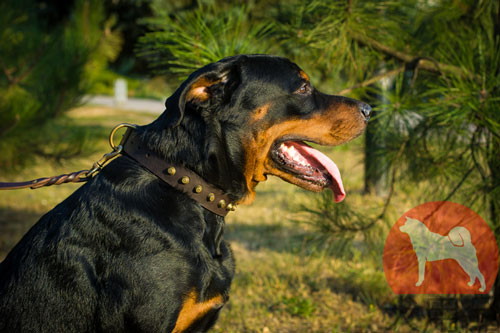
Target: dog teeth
<point>292,154</point>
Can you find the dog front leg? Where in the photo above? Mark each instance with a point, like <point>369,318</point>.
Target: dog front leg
<point>421,271</point>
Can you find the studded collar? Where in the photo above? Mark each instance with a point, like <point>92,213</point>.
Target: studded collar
<point>181,178</point>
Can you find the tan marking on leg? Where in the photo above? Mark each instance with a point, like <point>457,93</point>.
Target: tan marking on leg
<point>193,310</point>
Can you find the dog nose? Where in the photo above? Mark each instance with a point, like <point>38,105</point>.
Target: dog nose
<point>366,110</point>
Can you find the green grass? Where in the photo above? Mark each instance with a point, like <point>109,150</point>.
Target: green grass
<point>299,306</point>
<point>283,282</point>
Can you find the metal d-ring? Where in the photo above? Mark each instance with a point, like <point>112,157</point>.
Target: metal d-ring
<point>97,166</point>
<point>113,131</point>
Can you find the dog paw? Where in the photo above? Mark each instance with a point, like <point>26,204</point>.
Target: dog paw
<point>419,283</point>
<point>481,289</point>
<point>470,284</point>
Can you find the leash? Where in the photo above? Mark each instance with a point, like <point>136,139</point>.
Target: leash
<point>74,177</point>
<point>131,145</point>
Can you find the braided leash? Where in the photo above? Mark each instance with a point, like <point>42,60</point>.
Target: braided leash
<point>74,177</point>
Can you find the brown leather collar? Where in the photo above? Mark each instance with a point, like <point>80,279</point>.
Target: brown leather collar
<point>185,180</point>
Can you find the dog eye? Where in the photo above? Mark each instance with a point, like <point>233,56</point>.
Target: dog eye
<point>304,89</point>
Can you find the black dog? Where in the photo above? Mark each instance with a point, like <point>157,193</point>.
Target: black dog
<point>129,252</point>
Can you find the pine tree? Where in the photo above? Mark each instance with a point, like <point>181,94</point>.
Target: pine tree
<point>49,55</point>
<point>440,118</point>
<point>183,41</point>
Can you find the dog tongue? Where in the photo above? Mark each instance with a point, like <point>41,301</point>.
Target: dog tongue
<point>310,153</point>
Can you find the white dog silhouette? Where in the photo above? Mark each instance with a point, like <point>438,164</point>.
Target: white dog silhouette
<point>430,246</point>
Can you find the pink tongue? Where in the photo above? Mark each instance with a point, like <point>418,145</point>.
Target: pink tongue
<point>309,152</point>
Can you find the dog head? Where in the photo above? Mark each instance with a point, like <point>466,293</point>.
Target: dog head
<point>412,226</point>
<point>243,118</point>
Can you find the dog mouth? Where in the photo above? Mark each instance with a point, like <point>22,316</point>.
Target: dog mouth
<point>310,168</point>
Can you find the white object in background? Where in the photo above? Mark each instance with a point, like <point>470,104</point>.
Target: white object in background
<point>121,93</point>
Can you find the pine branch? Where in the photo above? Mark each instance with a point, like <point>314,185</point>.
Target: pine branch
<point>420,62</point>
<point>13,80</point>
<point>10,126</point>
<point>6,71</point>
<point>372,80</point>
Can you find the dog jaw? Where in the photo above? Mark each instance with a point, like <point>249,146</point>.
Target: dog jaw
<point>330,127</point>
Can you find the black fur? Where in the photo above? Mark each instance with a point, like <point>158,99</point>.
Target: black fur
<point>123,251</point>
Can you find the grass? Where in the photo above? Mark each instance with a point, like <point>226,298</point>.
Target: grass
<point>283,282</point>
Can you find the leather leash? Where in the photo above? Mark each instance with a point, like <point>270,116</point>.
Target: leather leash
<point>183,179</point>
<point>74,177</point>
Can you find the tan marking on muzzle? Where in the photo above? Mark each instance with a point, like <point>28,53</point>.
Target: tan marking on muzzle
<point>331,127</point>
<point>260,112</point>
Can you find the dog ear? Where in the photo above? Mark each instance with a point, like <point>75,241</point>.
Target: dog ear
<point>205,88</point>
<point>211,85</point>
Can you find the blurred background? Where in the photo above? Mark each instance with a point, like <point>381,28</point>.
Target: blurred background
<point>70,70</point>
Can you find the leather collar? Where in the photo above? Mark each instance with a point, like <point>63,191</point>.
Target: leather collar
<point>183,179</point>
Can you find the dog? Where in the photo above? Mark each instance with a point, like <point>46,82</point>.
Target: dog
<point>431,246</point>
<point>128,251</point>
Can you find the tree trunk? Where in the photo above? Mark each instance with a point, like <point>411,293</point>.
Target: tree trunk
<point>494,166</point>
<point>376,162</point>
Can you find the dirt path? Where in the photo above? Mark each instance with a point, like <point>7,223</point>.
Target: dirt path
<point>132,104</point>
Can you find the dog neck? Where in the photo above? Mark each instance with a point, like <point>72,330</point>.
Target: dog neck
<point>208,196</point>
<point>201,146</point>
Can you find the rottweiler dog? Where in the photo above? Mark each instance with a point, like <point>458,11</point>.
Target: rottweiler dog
<point>128,251</point>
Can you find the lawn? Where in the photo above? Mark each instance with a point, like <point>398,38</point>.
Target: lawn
<point>284,282</point>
